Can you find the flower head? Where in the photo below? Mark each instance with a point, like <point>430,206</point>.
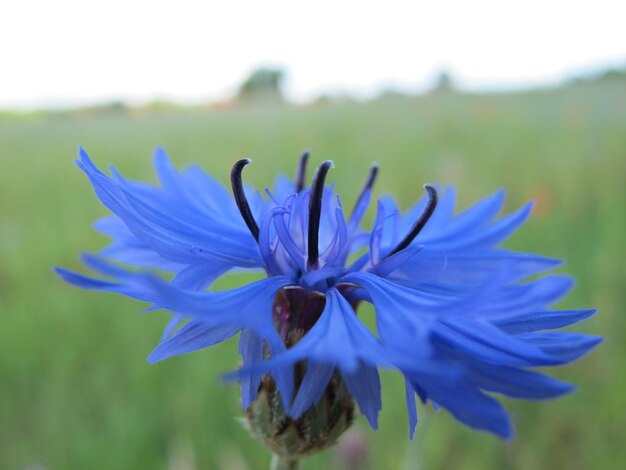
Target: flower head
<point>455,314</point>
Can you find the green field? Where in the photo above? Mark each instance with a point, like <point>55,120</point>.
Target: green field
<point>75,389</point>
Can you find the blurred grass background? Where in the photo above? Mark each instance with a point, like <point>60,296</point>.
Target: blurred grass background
<point>75,389</point>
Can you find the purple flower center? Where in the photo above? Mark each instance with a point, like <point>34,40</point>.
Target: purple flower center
<point>295,311</point>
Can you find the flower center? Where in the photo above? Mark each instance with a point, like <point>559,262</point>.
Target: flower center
<point>295,311</point>
<point>315,211</point>
<point>316,196</point>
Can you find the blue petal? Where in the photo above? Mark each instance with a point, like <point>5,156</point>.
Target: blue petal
<point>247,306</point>
<point>312,278</point>
<point>168,176</point>
<point>199,276</point>
<point>377,235</point>
<point>171,326</point>
<point>283,187</point>
<point>251,350</point>
<point>112,196</point>
<point>497,298</point>
<point>312,387</point>
<point>535,320</point>
<point>491,235</point>
<point>411,408</point>
<point>200,197</point>
<point>490,344</point>
<point>359,211</point>
<point>415,268</point>
<point>192,337</point>
<point>562,344</point>
<point>444,384</point>
<point>470,406</point>
<point>173,233</point>
<point>400,312</point>
<point>397,260</point>
<point>510,381</point>
<point>472,218</point>
<point>86,282</point>
<point>517,383</point>
<point>463,270</point>
<point>283,374</point>
<point>543,291</point>
<point>130,289</point>
<point>364,386</point>
<point>169,228</point>
<point>129,249</point>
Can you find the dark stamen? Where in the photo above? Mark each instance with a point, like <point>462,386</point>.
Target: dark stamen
<point>368,185</point>
<point>240,197</point>
<point>315,211</point>
<point>301,175</point>
<point>421,222</point>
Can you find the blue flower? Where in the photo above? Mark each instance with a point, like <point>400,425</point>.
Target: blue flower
<point>455,314</point>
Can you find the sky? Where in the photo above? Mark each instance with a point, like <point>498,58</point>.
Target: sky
<point>71,52</point>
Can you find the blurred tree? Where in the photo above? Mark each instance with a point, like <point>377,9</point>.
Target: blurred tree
<point>444,82</point>
<point>263,84</point>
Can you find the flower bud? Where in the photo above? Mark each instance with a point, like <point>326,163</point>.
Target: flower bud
<point>295,312</point>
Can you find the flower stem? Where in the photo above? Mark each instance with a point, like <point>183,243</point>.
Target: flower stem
<point>284,463</point>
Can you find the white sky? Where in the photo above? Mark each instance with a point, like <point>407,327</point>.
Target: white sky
<point>62,52</point>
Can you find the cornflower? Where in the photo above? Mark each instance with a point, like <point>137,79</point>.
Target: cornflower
<point>455,314</point>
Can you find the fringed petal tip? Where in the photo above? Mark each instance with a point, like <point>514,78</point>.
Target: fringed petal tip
<point>82,281</point>
<point>191,337</point>
<point>538,320</point>
<point>84,162</point>
<point>160,155</point>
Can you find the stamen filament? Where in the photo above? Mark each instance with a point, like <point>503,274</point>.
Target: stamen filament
<point>421,222</point>
<point>368,185</point>
<point>315,211</point>
<point>240,197</point>
<point>301,174</point>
